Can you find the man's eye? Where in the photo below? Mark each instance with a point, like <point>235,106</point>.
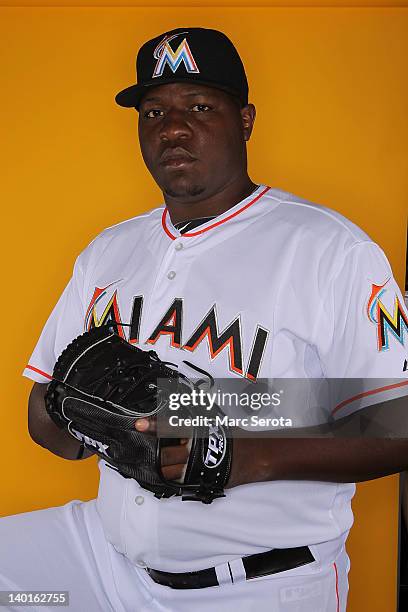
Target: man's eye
<point>200,108</point>
<point>151,114</point>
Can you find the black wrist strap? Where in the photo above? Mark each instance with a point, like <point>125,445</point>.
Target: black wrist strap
<point>80,452</point>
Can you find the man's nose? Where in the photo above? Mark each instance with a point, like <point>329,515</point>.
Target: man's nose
<point>175,126</point>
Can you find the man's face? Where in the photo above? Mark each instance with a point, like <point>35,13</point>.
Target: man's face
<point>192,139</point>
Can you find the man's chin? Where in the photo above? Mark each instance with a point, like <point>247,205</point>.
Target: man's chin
<point>183,190</point>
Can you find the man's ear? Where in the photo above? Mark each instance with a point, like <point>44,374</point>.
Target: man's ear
<point>248,114</point>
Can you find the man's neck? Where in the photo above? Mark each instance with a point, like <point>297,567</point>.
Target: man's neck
<point>213,205</point>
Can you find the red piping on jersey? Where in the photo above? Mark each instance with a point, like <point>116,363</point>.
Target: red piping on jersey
<point>337,588</point>
<point>234,214</point>
<point>367,393</point>
<point>30,367</point>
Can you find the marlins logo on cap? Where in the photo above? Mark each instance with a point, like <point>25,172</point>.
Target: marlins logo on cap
<point>165,55</point>
<point>187,55</point>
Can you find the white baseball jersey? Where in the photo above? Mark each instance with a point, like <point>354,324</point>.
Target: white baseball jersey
<point>273,287</point>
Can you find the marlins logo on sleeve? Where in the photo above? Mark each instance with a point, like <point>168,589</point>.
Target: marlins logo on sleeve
<point>388,314</point>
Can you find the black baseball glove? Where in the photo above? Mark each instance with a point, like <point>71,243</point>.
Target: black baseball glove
<point>101,384</point>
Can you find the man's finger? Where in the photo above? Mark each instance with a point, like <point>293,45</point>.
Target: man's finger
<point>173,472</point>
<point>146,425</point>
<point>173,455</point>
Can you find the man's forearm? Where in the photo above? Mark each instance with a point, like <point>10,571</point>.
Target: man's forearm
<point>329,460</point>
<point>348,450</point>
<point>44,431</point>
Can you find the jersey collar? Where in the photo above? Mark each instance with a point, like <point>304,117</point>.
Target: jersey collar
<point>229,214</point>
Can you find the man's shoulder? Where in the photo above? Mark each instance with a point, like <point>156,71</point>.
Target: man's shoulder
<point>128,229</point>
<point>131,226</point>
<point>316,221</point>
<point>120,237</point>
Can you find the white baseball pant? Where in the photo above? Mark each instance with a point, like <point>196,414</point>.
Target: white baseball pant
<point>65,549</point>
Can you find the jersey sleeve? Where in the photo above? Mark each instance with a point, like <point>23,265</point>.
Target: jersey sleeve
<point>363,338</point>
<point>65,323</point>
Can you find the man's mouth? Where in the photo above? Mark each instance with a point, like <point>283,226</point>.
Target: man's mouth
<point>176,158</point>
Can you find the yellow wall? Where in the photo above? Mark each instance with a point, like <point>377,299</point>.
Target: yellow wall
<point>331,91</point>
<point>208,3</point>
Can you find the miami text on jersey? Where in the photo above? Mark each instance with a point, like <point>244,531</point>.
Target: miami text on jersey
<point>171,325</point>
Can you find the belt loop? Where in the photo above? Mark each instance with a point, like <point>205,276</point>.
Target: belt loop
<point>237,570</point>
<point>223,573</point>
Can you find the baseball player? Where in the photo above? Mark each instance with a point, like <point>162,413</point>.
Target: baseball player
<point>245,282</point>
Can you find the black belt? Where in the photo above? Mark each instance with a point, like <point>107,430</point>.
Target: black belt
<point>261,564</point>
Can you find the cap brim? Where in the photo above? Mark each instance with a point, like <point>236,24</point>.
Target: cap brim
<point>132,96</point>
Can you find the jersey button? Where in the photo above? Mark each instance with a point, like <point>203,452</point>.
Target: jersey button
<point>178,246</point>
<point>171,275</point>
<point>139,499</point>
<point>140,563</point>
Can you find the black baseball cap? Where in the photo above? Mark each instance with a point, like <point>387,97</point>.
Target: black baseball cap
<point>188,55</point>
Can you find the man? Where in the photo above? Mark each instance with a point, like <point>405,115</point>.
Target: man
<point>247,282</point>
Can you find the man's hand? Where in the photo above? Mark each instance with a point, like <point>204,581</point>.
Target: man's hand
<point>244,465</point>
<point>173,458</point>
